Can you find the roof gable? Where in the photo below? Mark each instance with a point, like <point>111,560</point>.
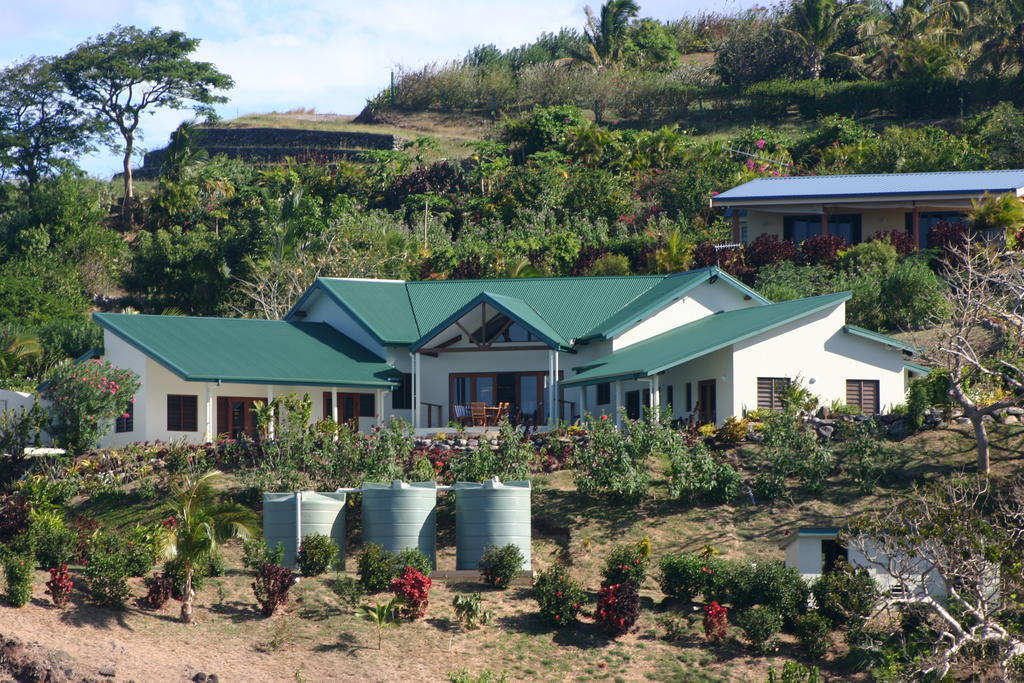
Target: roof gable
<point>698,338</point>
<point>874,185</point>
<point>250,351</point>
<point>399,313</point>
<point>671,288</point>
<point>516,309</point>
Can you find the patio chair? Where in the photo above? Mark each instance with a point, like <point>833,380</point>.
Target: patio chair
<point>461,413</point>
<point>501,413</point>
<point>478,413</point>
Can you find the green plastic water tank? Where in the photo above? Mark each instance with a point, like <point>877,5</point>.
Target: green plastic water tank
<point>491,513</point>
<point>286,516</point>
<point>401,515</point>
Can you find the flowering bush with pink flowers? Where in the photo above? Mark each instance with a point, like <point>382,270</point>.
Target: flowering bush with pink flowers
<point>85,400</point>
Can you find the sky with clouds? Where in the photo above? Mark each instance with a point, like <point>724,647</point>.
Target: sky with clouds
<point>331,55</point>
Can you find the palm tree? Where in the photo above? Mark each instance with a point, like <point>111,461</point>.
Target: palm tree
<point>894,35</point>
<point>998,30</point>
<point>816,26</point>
<point>606,35</point>
<point>16,348</point>
<point>201,525</point>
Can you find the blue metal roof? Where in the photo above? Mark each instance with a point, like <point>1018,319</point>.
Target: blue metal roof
<point>874,185</point>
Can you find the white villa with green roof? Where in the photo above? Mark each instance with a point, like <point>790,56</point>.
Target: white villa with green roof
<point>552,349</point>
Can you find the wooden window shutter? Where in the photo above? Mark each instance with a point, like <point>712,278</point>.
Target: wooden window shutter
<point>328,405</point>
<point>863,393</point>
<point>222,414</point>
<point>769,392</point>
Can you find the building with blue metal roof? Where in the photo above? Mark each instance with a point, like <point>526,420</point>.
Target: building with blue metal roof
<point>857,207</point>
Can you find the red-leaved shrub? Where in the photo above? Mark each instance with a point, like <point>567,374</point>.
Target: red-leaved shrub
<point>899,239</point>
<point>821,248</point>
<point>160,586</point>
<point>767,249</point>
<point>271,587</point>
<point>716,622</point>
<point>618,608</point>
<point>730,260</point>
<point>60,585</point>
<point>413,586</point>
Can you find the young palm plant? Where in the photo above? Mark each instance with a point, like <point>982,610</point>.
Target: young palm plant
<point>202,523</point>
<point>383,616</point>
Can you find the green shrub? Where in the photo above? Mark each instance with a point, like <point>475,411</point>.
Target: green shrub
<point>628,563</point>
<point>845,596</point>
<point>349,591</point>
<point>317,554</point>
<point>499,566</point>
<point>559,596</point>
<point>761,626</point>
<point>54,542</point>
<point>912,295</point>
<point>106,576</point>
<point>256,552</point>
<point>794,672</point>
<point>18,569</point>
<point>415,558</point>
<point>868,460</point>
<point>135,547</point>
<point>469,611</point>
<point>684,577</point>
<point>376,567</point>
<point>769,584</point>
<point>611,463</point>
<point>696,476</point>
<point>813,634</point>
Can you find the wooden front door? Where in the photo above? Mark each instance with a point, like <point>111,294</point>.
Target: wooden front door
<point>707,400</point>
<point>348,409</point>
<point>236,416</point>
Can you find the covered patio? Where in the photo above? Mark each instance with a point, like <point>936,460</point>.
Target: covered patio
<point>495,358</point>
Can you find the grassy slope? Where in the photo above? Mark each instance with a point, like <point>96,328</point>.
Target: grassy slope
<point>518,642</point>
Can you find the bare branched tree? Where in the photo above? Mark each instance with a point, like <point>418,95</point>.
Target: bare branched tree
<point>955,547</point>
<point>979,344</point>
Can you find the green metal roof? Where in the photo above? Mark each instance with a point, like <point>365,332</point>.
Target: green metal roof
<point>400,313</point>
<point>881,338</point>
<point>919,369</point>
<point>517,309</point>
<point>699,338</point>
<point>672,287</point>
<point>251,351</point>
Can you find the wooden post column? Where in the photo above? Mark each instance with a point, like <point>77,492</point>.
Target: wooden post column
<point>915,229</point>
<point>735,226</point>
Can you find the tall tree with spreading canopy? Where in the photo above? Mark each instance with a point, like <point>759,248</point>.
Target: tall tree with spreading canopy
<point>41,128</point>
<point>980,344</point>
<point>128,71</point>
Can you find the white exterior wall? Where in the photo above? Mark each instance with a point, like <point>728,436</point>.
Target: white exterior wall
<point>701,301</point>
<point>718,366</point>
<point>321,309</point>
<point>818,350</point>
<point>15,400</point>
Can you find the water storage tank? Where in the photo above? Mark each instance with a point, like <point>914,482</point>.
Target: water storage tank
<point>401,516</point>
<point>286,516</point>
<point>491,513</point>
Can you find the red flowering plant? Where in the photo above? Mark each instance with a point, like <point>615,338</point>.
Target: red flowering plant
<point>85,400</point>
<point>559,596</point>
<point>716,622</point>
<point>60,585</point>
<point>413,587</point>
<point>618,608</point>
